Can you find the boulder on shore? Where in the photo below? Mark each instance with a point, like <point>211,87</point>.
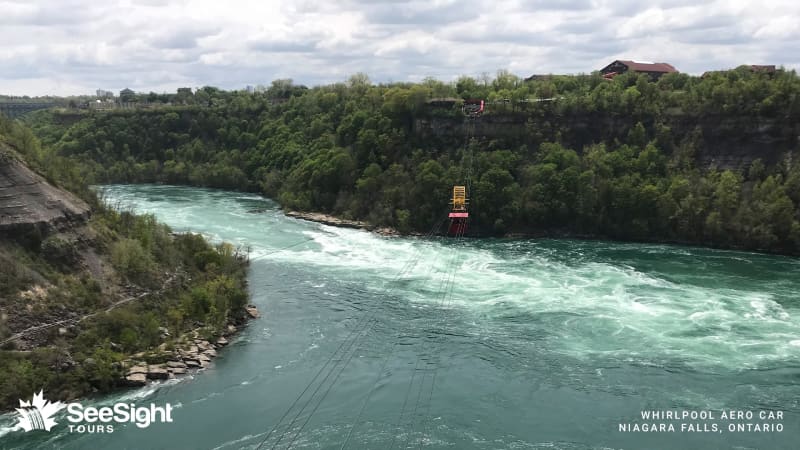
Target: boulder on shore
<point>137,369</point>
<point>136,379</point>
<point>252,311</point>
<point>157,373</point>
<point>176,365</point>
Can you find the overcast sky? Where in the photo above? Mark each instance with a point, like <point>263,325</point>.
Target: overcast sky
<point>76,46</point>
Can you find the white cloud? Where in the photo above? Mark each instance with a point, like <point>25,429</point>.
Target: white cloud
<point>77,46</point>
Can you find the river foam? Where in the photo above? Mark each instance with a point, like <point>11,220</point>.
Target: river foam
<point>535,337</point>
<point>592,306</point>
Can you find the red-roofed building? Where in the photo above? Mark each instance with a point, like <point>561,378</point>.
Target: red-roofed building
<point>620,66</point>
<point>763,68</point>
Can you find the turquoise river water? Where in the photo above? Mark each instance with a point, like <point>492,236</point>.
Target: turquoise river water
<point>364,342</point>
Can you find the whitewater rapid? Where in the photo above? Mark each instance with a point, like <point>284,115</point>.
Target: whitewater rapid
<point>539,342</point>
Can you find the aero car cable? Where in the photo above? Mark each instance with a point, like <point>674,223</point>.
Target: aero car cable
<point>367,328</point>
<point>448,277</point>
<point>357,329</point>
<point>372,390</point>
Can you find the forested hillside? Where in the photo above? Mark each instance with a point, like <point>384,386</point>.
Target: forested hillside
<point>83,286</point>
<point>628,158</point>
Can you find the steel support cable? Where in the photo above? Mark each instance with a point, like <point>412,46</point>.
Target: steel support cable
<point>367,328</point>
<point>435,369</point>
<point>469,130</point>
<point>317,404</point>
<point>435,353</point>
<point>448,287</point>
<point>449,274</point>
<point>413,377</point>
<point>372,390</point>
<point>357,329</point>
<point>405,268</point>
<point>282,249</point>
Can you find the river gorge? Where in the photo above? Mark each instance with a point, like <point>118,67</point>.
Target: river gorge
<point>472,343</point>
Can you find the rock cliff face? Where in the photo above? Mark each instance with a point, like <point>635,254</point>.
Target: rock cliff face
<point>725,141</point>
<point>28,201</point>
<point>734,142</point>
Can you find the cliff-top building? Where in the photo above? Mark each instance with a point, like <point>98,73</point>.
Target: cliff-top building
<point>655,70</point>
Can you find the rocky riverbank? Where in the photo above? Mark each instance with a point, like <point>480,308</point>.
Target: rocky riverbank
<point>189,352</point>
<point>328,219</point>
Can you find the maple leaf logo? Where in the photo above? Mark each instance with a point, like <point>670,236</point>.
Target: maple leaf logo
<point>37,414</point>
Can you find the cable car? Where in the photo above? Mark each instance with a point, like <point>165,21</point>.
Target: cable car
<point>473,107</point>
<point>458,215</point>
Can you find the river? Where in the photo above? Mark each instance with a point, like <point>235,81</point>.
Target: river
<point>534,344</point>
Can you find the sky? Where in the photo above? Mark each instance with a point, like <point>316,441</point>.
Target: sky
<point>69,47</point>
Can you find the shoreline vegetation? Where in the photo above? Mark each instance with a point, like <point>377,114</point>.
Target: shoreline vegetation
<point>90,293</point>
<point>709,160</point>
